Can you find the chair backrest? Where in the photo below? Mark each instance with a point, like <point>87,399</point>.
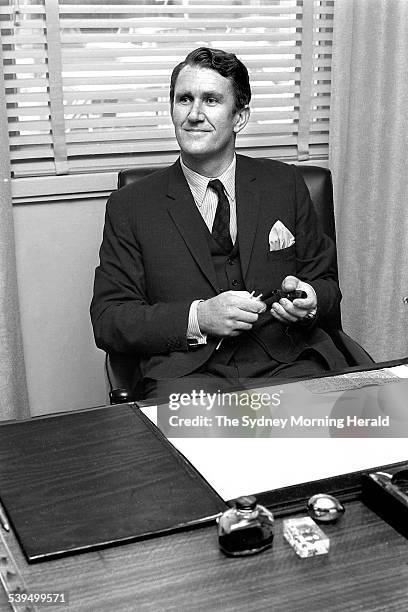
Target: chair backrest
<point>319,182</point>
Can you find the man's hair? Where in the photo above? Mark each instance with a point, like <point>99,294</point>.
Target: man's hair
<point>226,64</point>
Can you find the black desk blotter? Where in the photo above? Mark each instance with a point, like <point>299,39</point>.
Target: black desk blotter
<point>88,479</point>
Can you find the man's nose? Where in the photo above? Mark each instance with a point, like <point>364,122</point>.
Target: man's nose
<point>196,111</point>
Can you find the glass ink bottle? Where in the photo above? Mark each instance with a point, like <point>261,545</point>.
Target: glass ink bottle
<point>246,529</point>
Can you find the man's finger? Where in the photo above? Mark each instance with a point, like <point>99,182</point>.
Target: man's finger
<point>282,314</point>
<point>297,307</point>
<point>246,316</point>
<point>242,326</point>
<point>252,305</point>
<point>303,303</point>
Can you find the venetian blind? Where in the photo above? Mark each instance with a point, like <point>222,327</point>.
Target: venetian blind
<point>87,84</point>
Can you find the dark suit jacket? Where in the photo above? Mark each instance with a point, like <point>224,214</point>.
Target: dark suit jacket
<point>155,260</point>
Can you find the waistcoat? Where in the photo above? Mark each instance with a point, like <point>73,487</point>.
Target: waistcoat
<point>227,267</point>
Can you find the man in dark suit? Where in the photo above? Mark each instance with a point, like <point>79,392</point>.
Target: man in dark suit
<point>185,261</point>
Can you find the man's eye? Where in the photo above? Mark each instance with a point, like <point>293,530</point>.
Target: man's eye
<point>211,101</point>
<point>184,99</point>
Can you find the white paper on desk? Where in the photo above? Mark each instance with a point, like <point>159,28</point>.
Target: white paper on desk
<point>244,466</point>
<point>401,370</point>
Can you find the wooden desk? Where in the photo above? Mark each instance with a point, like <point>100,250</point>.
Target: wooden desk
<point>365,570</point>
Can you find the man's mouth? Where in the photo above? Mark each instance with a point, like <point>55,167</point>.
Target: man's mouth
<point>196,131</point>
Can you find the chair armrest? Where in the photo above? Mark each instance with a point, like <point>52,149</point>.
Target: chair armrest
<point>352,351</point>
<point>123,377</point>
<point>122,396</point>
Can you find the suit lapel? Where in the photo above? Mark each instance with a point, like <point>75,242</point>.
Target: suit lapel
<point>189,222</point>
<point>248,203</point>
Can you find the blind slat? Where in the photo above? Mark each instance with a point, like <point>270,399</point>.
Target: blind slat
<point>71,55</point>
<point>205,22</point>
<point>134,9</point>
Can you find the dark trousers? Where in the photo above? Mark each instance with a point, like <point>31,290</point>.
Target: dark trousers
<point>242,365</point>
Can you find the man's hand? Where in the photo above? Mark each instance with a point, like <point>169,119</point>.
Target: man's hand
<point>229,313</point>
<point>286,311</point>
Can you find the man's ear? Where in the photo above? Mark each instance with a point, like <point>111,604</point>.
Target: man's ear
<point>241,119</point>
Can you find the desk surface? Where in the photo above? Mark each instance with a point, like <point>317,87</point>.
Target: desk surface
<point>366,570</point>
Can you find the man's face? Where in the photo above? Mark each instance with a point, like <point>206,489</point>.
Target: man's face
<point>205,118</point>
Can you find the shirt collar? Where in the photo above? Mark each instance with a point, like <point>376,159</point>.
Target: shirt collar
<point>199,183</point>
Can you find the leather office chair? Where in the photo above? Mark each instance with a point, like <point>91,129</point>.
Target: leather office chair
<point>122,370</point>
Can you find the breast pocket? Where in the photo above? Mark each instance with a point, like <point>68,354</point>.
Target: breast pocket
<point>274,267</point>
<point>282,255</point>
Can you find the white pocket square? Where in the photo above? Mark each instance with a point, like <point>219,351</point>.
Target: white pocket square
<point>280,237</point>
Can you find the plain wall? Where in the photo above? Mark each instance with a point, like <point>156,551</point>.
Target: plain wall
<point>57,246</point>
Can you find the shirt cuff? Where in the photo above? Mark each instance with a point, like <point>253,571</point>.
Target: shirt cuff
<point>193,328</point>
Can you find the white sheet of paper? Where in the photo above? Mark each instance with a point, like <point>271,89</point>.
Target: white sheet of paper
<point>244,466</point>
<point>401,370</point>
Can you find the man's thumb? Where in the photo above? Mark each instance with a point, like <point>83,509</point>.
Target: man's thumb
<point>290,283</point>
